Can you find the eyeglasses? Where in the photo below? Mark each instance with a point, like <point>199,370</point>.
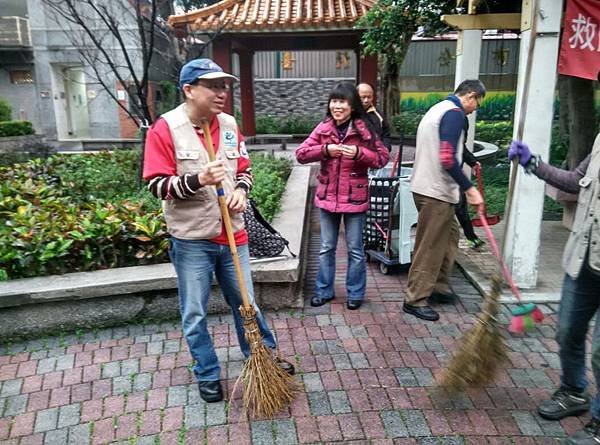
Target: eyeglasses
<point>216,87</point>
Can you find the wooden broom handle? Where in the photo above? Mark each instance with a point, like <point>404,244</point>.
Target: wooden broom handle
<point>521,124</point>
<point>226,219</point>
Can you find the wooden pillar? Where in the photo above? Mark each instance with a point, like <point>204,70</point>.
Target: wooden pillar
<point>521,248</point>
<point>468,55</point>
<point>221,54</point>
<point>367,69</point>
<point>247,93</point>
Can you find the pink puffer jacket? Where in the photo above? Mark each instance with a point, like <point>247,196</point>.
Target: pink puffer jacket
<point>342,184</point>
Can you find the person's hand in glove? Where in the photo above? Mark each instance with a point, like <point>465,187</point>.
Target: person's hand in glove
<point>520,149</point>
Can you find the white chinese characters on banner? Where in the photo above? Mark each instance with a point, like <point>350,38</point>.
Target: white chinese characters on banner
<point>584,31</point>
<point>580,46</point>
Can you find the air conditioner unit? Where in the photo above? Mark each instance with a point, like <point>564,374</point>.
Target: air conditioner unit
<point>14,32</point>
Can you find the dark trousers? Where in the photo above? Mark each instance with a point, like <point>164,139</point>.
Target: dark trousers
<point>580,301</point>
<point>436,243</point>
<point>462,214</point>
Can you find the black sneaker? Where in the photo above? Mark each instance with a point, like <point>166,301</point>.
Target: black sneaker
<point>564,404</point>
<point>589,435</point>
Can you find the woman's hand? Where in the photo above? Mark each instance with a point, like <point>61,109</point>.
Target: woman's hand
<point>335,150</point>
<point>349,151</point>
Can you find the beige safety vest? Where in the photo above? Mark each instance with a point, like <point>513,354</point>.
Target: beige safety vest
<point>428,176</point>
<point>586,229</point>
<point>199,217</point>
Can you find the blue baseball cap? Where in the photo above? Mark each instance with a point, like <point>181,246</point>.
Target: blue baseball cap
<point>201,69</point>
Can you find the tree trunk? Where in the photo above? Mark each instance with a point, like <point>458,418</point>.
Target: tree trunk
<point>391,86</point>
<point>582,127</point>
<point>140,176</point>
<point>391,76</point>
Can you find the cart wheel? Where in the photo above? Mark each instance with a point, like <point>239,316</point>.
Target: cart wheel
<point>384,269</point>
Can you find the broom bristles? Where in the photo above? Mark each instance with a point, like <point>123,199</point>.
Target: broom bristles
<point>481,351</point>
<point>267,388</point>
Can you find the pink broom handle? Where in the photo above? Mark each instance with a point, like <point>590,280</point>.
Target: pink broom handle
<point>490,236</point>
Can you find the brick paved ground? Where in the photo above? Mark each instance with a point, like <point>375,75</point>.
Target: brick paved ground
<point>370,377</point>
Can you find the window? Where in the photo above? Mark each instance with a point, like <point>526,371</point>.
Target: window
<point>21,77</point>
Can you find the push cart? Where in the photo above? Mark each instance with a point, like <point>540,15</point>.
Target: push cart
<point>391,219</point>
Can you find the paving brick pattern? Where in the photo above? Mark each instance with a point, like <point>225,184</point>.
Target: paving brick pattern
<point>370,376</point>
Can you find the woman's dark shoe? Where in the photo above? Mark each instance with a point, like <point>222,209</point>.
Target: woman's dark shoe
<point>211,391</point>
<point>422,312</point>
<point>564,404</point>
<point>317,301</point>
<point>353,304</point>
<point>590,435</point>
<point>286,366</point>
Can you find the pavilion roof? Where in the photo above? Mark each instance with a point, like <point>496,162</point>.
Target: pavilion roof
<point>274,15</point>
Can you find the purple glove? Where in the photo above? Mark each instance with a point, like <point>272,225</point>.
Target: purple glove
<point>520,149</point>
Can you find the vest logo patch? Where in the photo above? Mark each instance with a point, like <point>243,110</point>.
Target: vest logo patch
<point>230,139</point>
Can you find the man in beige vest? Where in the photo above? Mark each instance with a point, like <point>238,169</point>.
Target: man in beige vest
<point>436,183</point>
<point>179,172</point>
<point>580,299</point>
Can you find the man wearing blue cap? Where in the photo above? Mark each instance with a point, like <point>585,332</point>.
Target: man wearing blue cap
<point>179,172</point>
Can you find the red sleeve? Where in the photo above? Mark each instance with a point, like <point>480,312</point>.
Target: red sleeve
<point>159,153</point>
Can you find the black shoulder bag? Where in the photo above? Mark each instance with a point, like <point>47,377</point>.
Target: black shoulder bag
<point>263,240</point>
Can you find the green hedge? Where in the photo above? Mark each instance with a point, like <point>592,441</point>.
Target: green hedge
<point>73,213</point>
<point>406,123</point>
<point>15,128</point>
<point>300,124</point>
<point>5,110</point>
<point>498,133</point>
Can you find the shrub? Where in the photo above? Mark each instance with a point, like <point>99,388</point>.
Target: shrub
<point>270,178</point>
<point>5,110</point>
<point>78,212</point>
<point>16,128</point>
<point>169,99</point>
<point>300,124</point>
<point>406,123</point>
<point>267,124</point>
<point>498,133</point>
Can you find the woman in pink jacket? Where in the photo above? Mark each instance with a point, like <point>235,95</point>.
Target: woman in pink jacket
<point>346,146</point>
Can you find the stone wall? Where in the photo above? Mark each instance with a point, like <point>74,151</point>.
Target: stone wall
<point>33,143</point>
<point>282,97</point>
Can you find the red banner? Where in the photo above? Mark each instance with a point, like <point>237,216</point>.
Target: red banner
<point>580,46</point>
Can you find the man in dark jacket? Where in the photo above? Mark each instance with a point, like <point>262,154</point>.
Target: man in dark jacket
<point>380,123</point>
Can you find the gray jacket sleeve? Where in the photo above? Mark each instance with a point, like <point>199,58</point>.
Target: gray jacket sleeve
<point>565,180</point>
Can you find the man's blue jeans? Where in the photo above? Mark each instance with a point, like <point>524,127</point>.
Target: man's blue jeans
<point>356,276</point>
<point>195,261</point>
<point>579,302</point>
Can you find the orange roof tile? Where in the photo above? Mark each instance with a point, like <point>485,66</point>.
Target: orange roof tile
<point>274,15</point>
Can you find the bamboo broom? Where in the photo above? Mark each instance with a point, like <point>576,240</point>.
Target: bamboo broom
<point>267,388</point>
